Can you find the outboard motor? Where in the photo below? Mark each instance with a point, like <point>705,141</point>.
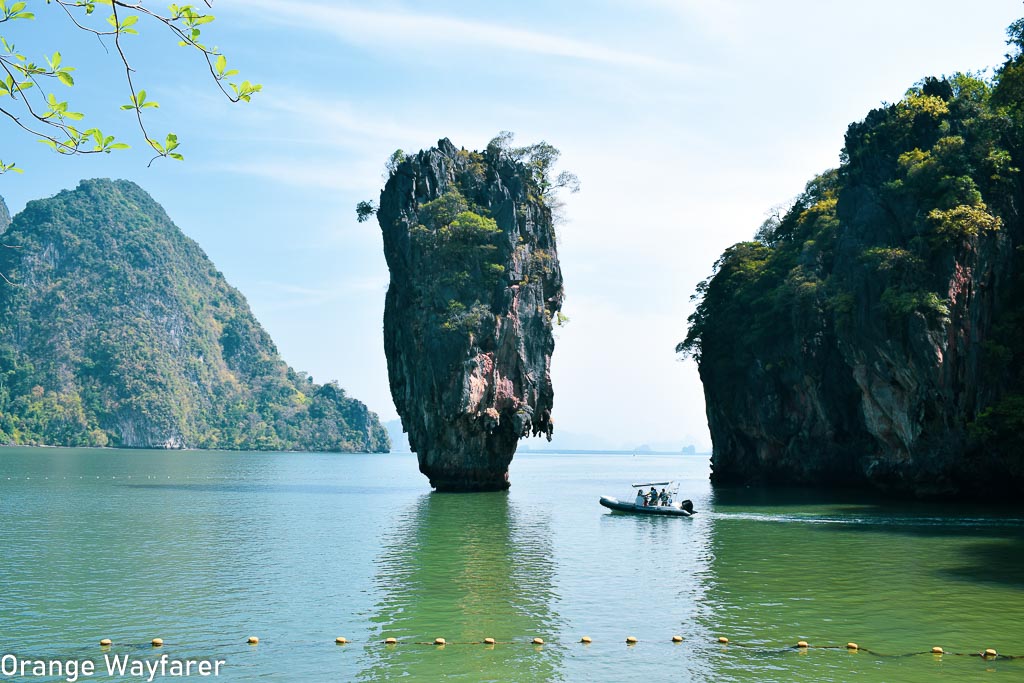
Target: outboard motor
<point>687,505</point>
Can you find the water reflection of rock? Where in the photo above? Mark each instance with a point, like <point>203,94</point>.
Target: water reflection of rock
<point>465,567</point>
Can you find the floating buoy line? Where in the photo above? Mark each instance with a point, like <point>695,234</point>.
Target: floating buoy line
<point>801,646</point>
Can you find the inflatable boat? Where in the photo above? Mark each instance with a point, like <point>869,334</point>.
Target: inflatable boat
<point>651,504</point>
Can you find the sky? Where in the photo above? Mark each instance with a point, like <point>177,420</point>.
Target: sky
<point>686,122</point>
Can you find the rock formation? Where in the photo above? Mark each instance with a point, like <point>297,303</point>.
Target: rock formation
<point>872,335</point>
<point>475,287</point>
<point>117,330</point>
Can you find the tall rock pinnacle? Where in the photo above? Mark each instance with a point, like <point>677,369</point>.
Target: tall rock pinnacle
<point>475,288</point>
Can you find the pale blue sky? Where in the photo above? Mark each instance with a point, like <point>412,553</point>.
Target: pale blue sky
<point>685,121</point>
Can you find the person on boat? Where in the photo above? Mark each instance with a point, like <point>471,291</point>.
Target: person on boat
<point>641,499</point>
<point>663,497</point>
<point>654,496</point>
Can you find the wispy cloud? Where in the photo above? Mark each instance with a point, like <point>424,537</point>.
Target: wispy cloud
<point>285,295</point>
<point>335,115</point>
<point>412,31</point>
<point>297,173</point>
<point>723,19</point>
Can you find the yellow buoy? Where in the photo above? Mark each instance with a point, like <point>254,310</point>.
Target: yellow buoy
<point>802,643</point>
<point>341,640</point>
<point>253,640</point>
<point>106,642</point>
<point>937,650</point>
<point>439,641</point>
<point>586,640</point>
<point>489,641</point>
<point>538,641</point>
<point>991,653</point>
<point>158,642</point>
<point>852,646</point>
<point>723,640</point>
<point>677,639</point>
<point>631,640</point>
<point>391,641</point>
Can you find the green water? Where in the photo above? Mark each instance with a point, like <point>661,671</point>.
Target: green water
<point>205,549</point>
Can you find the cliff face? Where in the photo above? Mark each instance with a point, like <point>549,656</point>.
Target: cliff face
<point>117,330</point>
<point>475,287</point>
<point>871,335</point>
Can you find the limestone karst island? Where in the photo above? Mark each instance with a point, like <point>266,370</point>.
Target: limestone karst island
<point>872,334</point>
<point>475,290</point>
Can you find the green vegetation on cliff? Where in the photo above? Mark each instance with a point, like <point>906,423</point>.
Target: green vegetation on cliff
<point>458,249</point>
<point>119,331</point>
<point>882,316</point>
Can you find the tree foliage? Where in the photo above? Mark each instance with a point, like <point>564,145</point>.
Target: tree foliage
<point>540,158</point>
<point>459,262</point>
<point>31,91</point>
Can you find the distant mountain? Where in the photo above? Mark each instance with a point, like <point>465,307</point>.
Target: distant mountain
<point>564,441</point>
<point>399,439</point>
<point>119,331</point>
<point>5,215</point>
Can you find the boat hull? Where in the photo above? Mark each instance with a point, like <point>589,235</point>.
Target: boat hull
<point>616,505</point>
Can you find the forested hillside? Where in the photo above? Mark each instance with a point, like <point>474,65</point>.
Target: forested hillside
<point>117,330</point>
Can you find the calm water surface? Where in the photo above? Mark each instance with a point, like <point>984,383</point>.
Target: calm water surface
<point>205,549</point>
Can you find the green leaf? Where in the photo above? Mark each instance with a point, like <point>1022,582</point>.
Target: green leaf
<point>221,64</point>
<point>173,155</point>
<point>120,145</point>
<point>65,78</point>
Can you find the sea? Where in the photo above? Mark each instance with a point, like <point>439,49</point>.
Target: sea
<point>207,549</point>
